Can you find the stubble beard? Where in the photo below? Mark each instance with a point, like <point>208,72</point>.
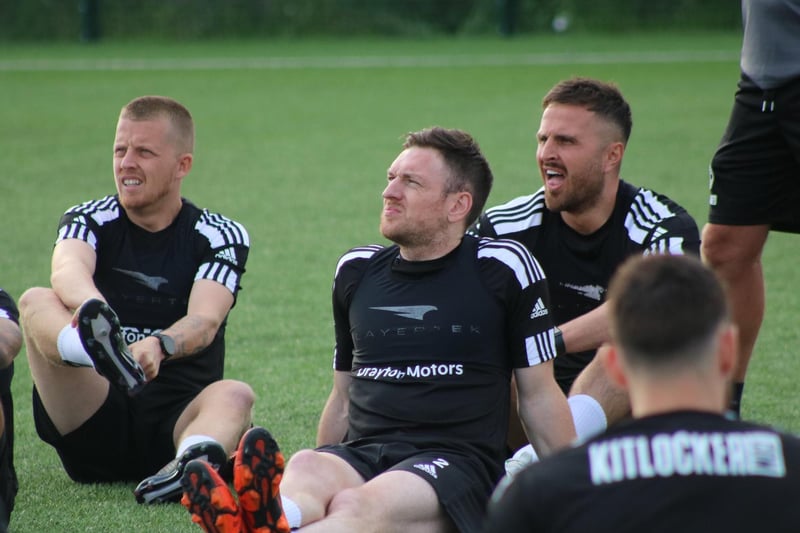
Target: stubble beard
<point>410,236</point>
<point>580,197</point>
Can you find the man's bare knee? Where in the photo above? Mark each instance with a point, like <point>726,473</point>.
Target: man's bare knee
<point>303,461</point>
<point>732,247</point>
<point>350,503</point>
<point>31,299</point>
<point>233,393</point>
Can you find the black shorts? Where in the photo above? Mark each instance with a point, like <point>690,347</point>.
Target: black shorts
<point>755,173</point>
<point>121,442</point>
<point>8,476</point>
<point>8,483</point>
<point>462,481</point>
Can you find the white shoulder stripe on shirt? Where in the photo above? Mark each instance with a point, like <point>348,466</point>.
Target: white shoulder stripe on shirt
<point>221,231</point>
<point>645,214</point>
<point>361,252</point>
<point>515,256</point>
<point>517,215</point>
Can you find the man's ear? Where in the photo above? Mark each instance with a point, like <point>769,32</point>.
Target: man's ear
<point>610,357</point>
<point>185,164</point>
<point>614,154</point>
<point>460,206</point>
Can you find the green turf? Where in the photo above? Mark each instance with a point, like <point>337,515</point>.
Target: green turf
<point>299,156</point>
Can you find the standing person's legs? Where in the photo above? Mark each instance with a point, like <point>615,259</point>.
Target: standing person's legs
<point>734,252</point>
<point>754,188</point>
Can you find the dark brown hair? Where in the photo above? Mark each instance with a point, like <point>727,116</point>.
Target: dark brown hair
<point>665,309</point>
<point>602,98</point>
<point>469,169</point>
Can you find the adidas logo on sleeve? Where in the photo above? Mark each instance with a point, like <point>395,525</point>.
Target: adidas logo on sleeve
<point>228,255</point>
<point>539,309</point>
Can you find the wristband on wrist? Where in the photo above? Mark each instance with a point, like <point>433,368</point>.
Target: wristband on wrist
<point>561,348</point>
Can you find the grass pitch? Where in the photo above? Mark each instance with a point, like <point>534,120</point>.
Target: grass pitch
<point>293,140</point>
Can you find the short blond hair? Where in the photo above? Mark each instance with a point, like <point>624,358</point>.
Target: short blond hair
<point>150,107</point>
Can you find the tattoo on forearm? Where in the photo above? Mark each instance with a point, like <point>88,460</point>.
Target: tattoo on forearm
<point>192,335</point>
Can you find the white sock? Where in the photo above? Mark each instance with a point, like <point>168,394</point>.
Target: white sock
<point>70,347</point>
<point>589,419</point>
<point>291,511</point>
<point>587,415</point>
<point>191,440</point>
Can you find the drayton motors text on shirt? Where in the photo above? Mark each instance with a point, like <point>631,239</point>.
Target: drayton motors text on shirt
<point>415,371</point>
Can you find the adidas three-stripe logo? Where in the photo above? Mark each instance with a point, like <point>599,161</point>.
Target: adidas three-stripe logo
<point>539,309</point>
<point>228,255</point>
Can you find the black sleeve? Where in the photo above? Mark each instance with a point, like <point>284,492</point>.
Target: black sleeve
<point>676,235</point>
<point>483,228</point>
<point>349,271</point>
<point>8,309</point>
<point>514,276</point>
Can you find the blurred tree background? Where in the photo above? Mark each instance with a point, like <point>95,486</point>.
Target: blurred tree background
<point>89,20</point>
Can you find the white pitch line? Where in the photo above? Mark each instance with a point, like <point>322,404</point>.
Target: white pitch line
<point>359,62</point>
